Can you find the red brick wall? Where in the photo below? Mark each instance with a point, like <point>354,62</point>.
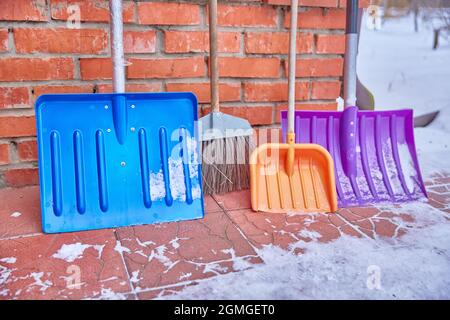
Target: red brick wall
<point>166,44</point>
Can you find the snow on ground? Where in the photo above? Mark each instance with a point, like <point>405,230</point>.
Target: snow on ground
<point>413,267</point>
<point>399,67</point>
<point>108,294</point>
<point>402,71</point>
<point>74,251</point>
<point>16,214</point>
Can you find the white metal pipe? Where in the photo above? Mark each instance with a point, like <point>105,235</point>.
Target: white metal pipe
<point>292,62</point>
<point>116,29</point>
<point>351,53</point>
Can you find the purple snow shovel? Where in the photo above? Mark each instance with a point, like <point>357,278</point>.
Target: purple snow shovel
<point>374,151</point>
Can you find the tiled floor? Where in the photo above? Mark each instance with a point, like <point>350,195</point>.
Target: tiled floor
<point>144,262</point>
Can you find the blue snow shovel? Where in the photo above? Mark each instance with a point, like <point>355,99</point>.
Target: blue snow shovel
<point>121,159</point>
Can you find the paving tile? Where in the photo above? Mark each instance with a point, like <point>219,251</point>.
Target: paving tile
<point>165,254</point>
<point>369,233</point>
<point>46,266</point>
<point>378,223</point>
<point>283,230</point>
<point>366,212</point>
<point>385,227</point>
<point>443,198</point>
<point>444,179</point>
<point>234,200</point>
<point>428,183</point>
<point>439,189</point>
<point>163,259</point>
<point>364,224</point>
<point>348,215</point>
<point>163,292</point>
<point>437,204</point>
<point>211,204</point>
<point>351,231</point>
<point>336,220</point>
<point>19,212</point>
<point>328,232</point>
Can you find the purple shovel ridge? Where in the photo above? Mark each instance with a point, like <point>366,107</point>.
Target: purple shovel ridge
<point>374,153</point>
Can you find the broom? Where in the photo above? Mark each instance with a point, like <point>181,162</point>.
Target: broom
<point>226,140</point>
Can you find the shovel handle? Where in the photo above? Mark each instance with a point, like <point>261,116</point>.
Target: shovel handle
<point>119,109</point>
<point>116,29</point>
<point>351,52</point>
<point>349,120</point>
<point>289,161</point>
<point>292,61</point>
<point>214,71</point>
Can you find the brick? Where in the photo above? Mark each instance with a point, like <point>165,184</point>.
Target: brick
<point>168,13</point>
<point>306,3</point>
<point>318,67</point>
<point>276,42</point>
<point>95,68</point>
<point>330,106</point>
<point>227,91</point>
<point>330,43</point>
<point>90,10</point>
<point>246,16</point>
<point>17,126</point>
<point>256,115</point>
<point>46,89</point>
<point>166,68</point>
<point>131,87</point>
<point>139,41</point>
<point>61,40</point>
<point>274,91</point>
<point>21,177</point>
<point>4,153</point>
<point>317,18</point>
<point>23,10</point>
<point>23,69</point>
<point>326,89</point>
<point>14,97</point>
<point>249,67</point>
<point>267,135</point>
<point>27,150</point>
<point>362,3</point>
<point>198,41</point>
<point>4,40</point>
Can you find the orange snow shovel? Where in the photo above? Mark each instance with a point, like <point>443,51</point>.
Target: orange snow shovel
<point>287,177</point>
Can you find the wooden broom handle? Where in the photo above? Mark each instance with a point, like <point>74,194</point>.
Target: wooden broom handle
<point>214,70</point>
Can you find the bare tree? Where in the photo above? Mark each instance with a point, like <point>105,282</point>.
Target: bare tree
<point>436,13</point>
<point>415,9</point>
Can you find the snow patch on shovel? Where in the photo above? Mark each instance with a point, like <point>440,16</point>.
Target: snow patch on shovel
<point>176,177</point>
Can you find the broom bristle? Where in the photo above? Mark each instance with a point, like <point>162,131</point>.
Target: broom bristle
<point>226,164</point>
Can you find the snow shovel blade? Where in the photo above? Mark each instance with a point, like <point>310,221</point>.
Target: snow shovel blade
<point>111,160</point>
<point>373,151</point>
<point>310,188</point>
<point>425,120</point>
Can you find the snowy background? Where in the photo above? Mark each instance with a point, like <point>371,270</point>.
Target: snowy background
<point>402,71</point>
<point>400,68</point>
